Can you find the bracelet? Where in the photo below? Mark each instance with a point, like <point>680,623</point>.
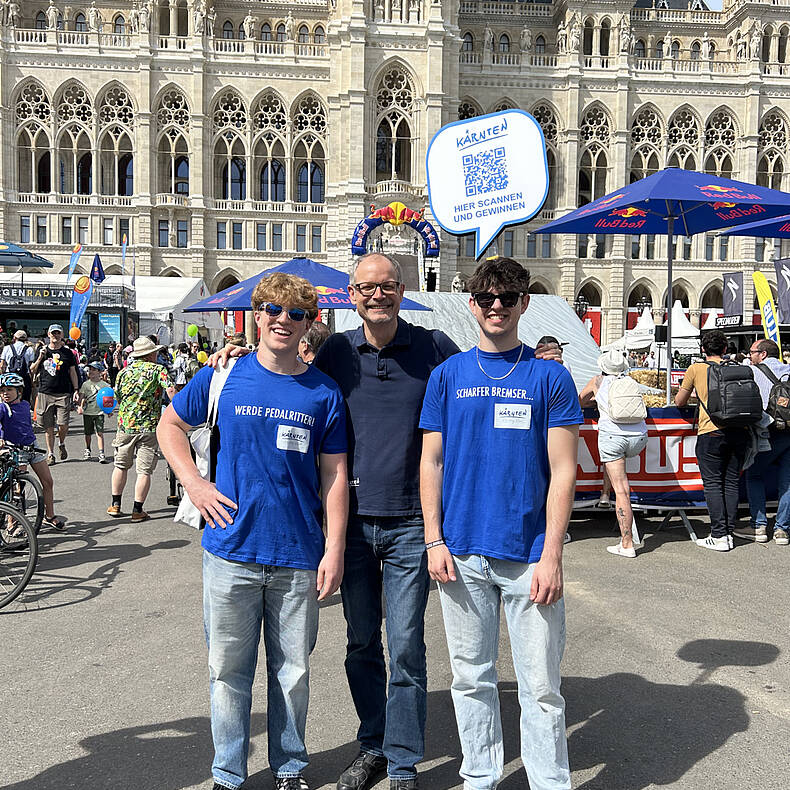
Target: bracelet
<point>434,543</point>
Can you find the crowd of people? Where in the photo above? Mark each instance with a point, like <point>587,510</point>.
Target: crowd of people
<point>342,462</point>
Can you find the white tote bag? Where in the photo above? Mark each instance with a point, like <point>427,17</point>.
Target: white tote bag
<point>187,513</point>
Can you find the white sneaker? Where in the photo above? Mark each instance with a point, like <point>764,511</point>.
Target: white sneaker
<point>715,544</point>
<point>102,458</point>
<point>567,538</point>
<point>621,552</point>
<point>86,456</point>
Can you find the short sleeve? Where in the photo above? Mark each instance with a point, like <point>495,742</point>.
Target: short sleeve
<point>688,379</point>
<point>191,404</point>
<point>164,378</point>
<point>431,415</point>
<point>334,438</point>
<point>564,408</point>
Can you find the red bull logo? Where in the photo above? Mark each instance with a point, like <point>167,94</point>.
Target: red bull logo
<point>396,214</point>
<point>715,191</point>
<point>628,212</point>
<point>324,290</point>
<point>739,212</point>
<point>718,204</point>
<point>612,199</point>
<point>720,190</point>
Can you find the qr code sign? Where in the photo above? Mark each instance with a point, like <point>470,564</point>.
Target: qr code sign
<point>485,172</point>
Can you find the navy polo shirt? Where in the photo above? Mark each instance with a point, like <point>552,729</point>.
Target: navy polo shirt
<point>384,390</point>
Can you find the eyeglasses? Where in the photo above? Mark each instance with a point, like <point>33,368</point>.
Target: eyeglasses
<point>388,287</point>
<point>486,299</point>
<point>755,351</point>
<point>295,313</point>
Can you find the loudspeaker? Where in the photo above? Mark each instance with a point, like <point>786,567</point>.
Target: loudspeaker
<point>661,334</point>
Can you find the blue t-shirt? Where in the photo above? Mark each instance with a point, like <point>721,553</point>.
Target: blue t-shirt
<point>494,441</point>
<point>17,427</point>
<point>384,389</point>
<point>272,428</point>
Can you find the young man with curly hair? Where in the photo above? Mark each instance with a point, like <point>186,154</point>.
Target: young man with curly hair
<point>266,562</point>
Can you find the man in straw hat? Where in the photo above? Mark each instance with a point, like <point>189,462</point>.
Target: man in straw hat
<point>139,389</point>
<point>282,449</point>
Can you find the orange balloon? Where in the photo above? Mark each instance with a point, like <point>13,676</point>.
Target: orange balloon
<point>74,333</point>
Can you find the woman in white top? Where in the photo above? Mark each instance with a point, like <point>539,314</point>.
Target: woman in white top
<point>616,442</point>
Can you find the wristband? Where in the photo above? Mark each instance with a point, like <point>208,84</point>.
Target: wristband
<point>434,543</point>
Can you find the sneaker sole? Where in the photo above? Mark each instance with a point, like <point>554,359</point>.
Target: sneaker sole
<point>782,541</point>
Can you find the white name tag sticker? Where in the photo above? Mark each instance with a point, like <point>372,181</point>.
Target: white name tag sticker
<point>290,437</point>
<point>513,415</point>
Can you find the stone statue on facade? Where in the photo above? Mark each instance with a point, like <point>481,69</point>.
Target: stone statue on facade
<point>562,38</point>
<point>211,18</point>
<point>289,28</point>
<point>95,21</point>
<point>458,285</point>
<point>625,34</point>
<point>248,25</point>
<point>52,16</point>
<point>756,41</point>
<point>668,44</point>
<point>14,15</point>
<point>134,18</point>
<point>575,36</point>
<point>199,21</point>
<point>526,40</point>
<point>705,47</point>
<point>740,46</point>
<point>488,39</point>
<point>145,18</point>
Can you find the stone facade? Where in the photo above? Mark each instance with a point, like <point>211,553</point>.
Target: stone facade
<point>228,136</point>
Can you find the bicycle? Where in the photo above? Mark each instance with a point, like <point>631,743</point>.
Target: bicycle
<point>21,489</point>
<point>18,553</point>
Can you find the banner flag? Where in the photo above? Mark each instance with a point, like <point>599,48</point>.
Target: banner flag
<point>75,256</point>
<point>97,270</point>
<point>783,288</point>
<point>80,297</point>
<point>767,310</point>
<point>733,293</point>
<point>124,242</point>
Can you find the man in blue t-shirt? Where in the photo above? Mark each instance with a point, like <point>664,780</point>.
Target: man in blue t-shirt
<point>497,476</point>
<point>281,448</point>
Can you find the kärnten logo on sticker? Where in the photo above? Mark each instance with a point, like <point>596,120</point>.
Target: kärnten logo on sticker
<point>513,415</point>
<point>291,437</point>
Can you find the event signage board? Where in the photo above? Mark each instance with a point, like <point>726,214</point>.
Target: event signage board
<point>12,294</point>
<point>733,294</point>
<point>724,321</point>
<point>487,172</point>
<point>109,327</point>
<point>782,266</point>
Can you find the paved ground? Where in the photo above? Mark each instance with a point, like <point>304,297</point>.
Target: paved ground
<point>675,674</point>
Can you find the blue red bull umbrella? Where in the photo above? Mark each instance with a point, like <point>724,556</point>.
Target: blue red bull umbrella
<point>330,284</point>
<point>777,228</point>
<point>670,202</point>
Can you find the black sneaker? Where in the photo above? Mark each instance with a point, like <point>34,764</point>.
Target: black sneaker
<point>409,783</point>
<point>364,772</point>
<point>290,783</point>
<point>63,452</point>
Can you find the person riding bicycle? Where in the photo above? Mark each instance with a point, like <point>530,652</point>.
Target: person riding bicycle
<point>16,427</point>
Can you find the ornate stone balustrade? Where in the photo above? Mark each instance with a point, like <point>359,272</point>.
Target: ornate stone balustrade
<point>496,8</point>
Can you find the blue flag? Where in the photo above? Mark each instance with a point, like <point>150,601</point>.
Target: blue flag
<point>75,256</point>
<point>80,297</point>
<point>97,270</point>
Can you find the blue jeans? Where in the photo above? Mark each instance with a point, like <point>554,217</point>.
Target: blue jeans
<point>237,598</point>
<point>778,456</point>
<point>470,607</point>
<point>387,554</point>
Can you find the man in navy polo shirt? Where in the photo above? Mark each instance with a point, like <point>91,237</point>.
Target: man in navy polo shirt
<point>282,447</point>
<point>494,535</point>
<point>382,369</point>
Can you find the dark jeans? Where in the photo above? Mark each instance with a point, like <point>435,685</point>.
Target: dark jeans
<point>387,555</point>
<point>720,455</point>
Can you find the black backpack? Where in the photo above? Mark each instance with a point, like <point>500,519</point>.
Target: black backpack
<point>778,400</point>
<point>18,363</point>
<point>733,396</point>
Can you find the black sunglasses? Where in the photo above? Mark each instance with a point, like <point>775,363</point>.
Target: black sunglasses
<point>486,299</point>
<point>295,313</point>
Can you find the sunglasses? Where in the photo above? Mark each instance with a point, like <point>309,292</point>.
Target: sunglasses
<point>486,299</point>
<point>295,313</point>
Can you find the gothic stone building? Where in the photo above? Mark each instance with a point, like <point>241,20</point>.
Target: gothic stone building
<point>225,137</point>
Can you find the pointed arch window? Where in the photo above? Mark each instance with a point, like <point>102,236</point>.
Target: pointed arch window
<point>41,21</point>
<point>272,181</point>
<point>319,36</point>
<point>310,183</point>
<point>540,45</point>
<point>303,34</point>
<point>80,24</point>
<point>266,32</point>
<point>394,103</point>
<point>234,179</point>
<point>639,49</point>
<point>119,25</point>
<point>227,29</point>
<point>504,43</point>
<point>280,32</point>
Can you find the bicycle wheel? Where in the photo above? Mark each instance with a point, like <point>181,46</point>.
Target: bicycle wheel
<point>29,498</point>
<point>18,553</point>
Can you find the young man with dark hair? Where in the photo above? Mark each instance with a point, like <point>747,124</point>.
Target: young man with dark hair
<point>282,450</point>
<point>720,451</point>
<point>764,356</point>
<point>496,538</point>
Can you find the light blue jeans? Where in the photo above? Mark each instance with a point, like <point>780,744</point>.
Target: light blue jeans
<point>237,598</point>
<point>778,456</point>
<point>470,607</point>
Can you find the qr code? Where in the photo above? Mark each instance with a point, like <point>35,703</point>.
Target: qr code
<point>485,172</point>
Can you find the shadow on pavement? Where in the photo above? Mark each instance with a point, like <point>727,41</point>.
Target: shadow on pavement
<point>65,572</point>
